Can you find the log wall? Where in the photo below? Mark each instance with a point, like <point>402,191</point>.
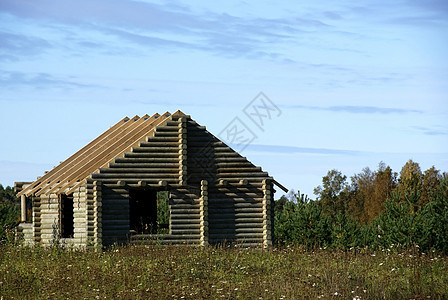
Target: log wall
<point>216,195</point>
<point>26,232</point>
<point>236,207</point>
<point>49,219</point>
<point>36,219</point>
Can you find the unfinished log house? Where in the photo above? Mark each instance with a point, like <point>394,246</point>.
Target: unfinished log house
<point>108,191</point>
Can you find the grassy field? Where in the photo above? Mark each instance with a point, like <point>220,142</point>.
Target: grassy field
<point>151,272</point>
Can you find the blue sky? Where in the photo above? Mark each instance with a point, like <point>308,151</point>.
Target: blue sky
<point>353,83</point>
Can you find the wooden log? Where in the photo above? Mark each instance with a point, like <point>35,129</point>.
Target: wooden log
<point>150,165</point>
<point>185,231</point>
<point>183,222</point>
<point>164,139</point>
<point>186,206</point>
<point>213,200</point>
<point>239,220</point>
<point>137,170</point>
<point>23,208</point>
<point>237,169</point>
<point>233,236</point>
<point>249,231</point>
<point>234,193</point>
<point>238,210</point>
<point>147,157</point>
<point>169,149</point>
<point>188,216</point>
<point>133,182</point>
<point>227,205</point>
<point>142,183</point>
<point>165,128</point>
<point>238,225</point>
<point>235,215</point>
<point>172,133</point>
<point>189,226</point>
<point>135,178</point>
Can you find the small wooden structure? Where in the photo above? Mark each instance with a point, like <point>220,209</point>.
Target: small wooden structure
<point>106,192</point>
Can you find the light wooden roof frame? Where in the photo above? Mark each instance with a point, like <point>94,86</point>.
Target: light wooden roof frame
<point>125,146</point>
<point>76,168</point>
<point>114,142</point>
<point>80,161</point>
<point>112,148</point>
<point>47,178</point>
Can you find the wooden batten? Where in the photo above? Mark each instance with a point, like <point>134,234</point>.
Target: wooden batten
<point>137,134</point>
<point>97,231</point>
<point>63,166</point>
<point>203,213</point>
<point>267,210</point>
<point>182,150</point>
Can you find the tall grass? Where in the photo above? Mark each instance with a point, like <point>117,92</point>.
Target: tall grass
<point>152,272</point>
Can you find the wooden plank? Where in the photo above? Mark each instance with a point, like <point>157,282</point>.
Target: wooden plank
<point>145,130</point>
<point>71,170</point>
<point>29,190</point>
<point>90,162</point>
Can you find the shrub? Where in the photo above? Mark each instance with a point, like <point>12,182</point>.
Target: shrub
<point>302,223</point>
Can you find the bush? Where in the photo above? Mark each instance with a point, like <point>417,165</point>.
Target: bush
<point>302,223</point>
<point>345,232</point>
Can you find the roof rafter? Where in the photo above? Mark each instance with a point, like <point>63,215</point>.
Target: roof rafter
<point>112,147</point>
<point>48,177</point>
<point>144,134</point>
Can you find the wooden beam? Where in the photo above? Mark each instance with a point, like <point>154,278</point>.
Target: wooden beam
<point>78,171</point>
<point>56,171</point>
<point>69,172</point>
<point>141,183</point>
<point>23,208</point>
<point>125,144</point>
<point>280,186</point>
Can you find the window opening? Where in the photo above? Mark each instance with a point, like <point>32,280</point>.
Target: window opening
<point>148,212</point>
<point>67,224</point>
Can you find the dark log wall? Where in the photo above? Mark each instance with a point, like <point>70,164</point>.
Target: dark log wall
<point>234,193</point>
<point>178,157</point>
<point>184,215</point>
<point>235,214</point>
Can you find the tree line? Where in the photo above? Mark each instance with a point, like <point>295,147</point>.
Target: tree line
<point>379,208</point>
<point>9,211</point>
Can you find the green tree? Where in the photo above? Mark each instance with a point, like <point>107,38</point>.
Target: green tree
<point>163,212</point>
<point>333,194</point>
<point>9,210</point>
<point>280,204</point>
<point>361,193</point>
<point>383,185</point>
<point>301,222</point>
<point>8,194</point>
<point>410,182</point>
<point>430,184</point>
